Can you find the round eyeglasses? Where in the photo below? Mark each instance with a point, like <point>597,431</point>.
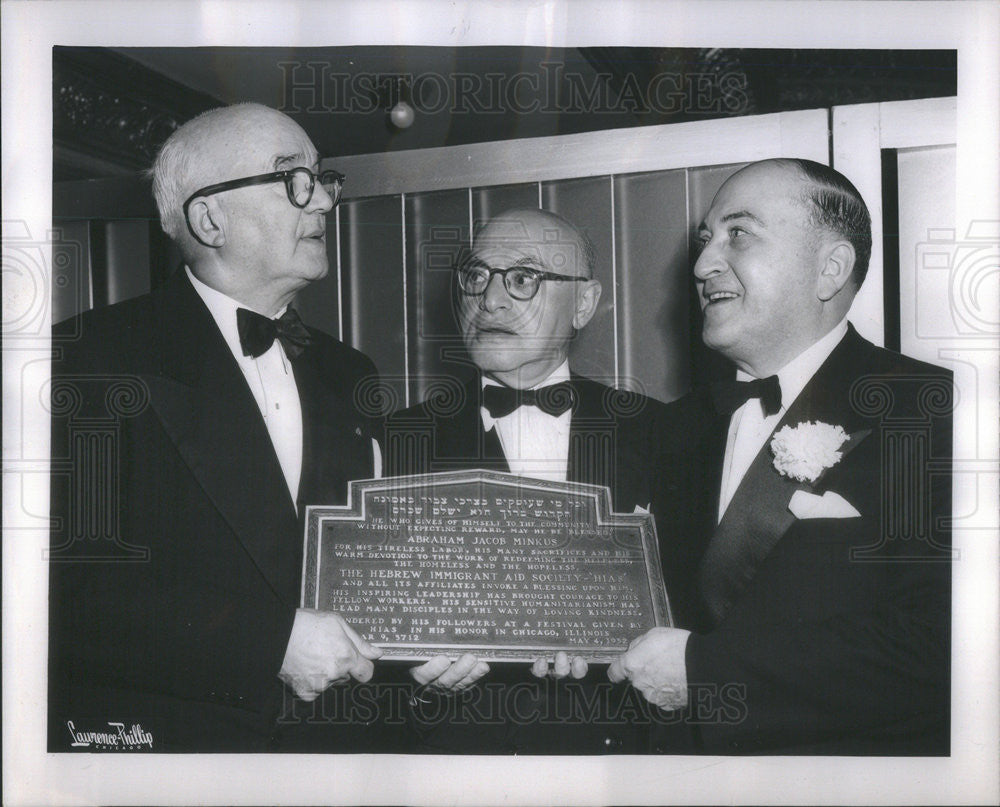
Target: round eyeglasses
<point>299,184</point>
<point>521,282</point>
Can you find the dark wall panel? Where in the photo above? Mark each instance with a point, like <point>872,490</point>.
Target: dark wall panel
<point>318,303</point>
<point>703,184</point>
<point>437,230</point>
<point>372,274</point>
<point>108,230</point>
<point>488,202</point>
<point>128,259</point>
<point>652,274</point>
<point>399,309</point>
<point>587,203</point>
<point>71,293</point>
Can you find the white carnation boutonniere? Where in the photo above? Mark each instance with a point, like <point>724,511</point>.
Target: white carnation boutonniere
<point>805,451</point>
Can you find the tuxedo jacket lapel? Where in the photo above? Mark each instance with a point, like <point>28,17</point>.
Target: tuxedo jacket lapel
<point>757,516</point>
<point>715,452</point>
<point>493,452</point>
<point>208,411</point>
<point>592,437</point>
<point>753,523</point>
<point>437,436</point>
<point>469,440</point>
<point>336,443</point>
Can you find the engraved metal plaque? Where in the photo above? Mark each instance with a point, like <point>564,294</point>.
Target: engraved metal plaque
<point>502,566</point>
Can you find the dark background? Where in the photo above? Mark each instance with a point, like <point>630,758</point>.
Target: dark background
<point>114,106</point>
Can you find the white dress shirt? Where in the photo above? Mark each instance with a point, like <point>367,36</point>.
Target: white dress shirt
<point>271,382</point>
<point>749,429</point>
<point>535,444</point>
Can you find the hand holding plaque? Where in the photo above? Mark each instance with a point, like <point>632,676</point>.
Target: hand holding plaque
<point>323,650</point>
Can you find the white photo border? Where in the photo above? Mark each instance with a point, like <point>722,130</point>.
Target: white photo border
<point>31,776</point>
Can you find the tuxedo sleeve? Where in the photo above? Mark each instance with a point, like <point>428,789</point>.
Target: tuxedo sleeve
<point>155,606</point>
<point>882,673</point>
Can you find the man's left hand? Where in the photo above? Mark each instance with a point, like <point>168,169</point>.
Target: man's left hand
<point>654,663</point>
<point>444,675</point>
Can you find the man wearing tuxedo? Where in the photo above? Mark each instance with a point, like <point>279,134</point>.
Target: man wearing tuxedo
<point>177,542</point>
<point>523,293</point>
<point>822,587</point>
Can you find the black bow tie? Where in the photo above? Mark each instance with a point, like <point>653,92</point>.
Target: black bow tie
<point>729,396</point>
<point>553,399</point>
<point>257,332</point>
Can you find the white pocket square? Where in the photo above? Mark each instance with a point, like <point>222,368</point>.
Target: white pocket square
<point>829,505</point>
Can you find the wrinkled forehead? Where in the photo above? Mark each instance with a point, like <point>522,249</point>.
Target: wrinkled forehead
<point>530,241</point>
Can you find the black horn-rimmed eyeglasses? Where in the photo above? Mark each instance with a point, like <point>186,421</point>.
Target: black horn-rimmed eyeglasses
<point>521,282</point>
<point>299,183</point>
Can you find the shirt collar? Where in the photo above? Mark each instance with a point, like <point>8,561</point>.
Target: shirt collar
<point>560,374</point>
<point>223,310</point>
<point>794,376</point>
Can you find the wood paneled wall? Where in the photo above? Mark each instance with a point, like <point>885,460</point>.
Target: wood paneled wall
<point>396,254</point>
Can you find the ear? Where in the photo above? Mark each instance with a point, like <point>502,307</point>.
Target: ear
<point>207,222</point>
<point>837,265</point>
<point>587,299</point>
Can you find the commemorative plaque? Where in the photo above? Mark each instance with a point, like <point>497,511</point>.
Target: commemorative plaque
<point>494,564</point>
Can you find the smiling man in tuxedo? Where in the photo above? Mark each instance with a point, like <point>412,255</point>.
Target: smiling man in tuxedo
<point>522,294</point>
<point>177,553</point>
<point>822,588</point>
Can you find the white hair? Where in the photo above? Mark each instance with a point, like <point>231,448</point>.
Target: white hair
<point>185,160</point>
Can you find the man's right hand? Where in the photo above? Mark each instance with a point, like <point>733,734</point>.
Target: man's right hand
<point>323,650</point>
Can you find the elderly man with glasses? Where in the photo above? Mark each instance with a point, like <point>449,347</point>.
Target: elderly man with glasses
<point>224,416</point>
<point>522,294</point>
